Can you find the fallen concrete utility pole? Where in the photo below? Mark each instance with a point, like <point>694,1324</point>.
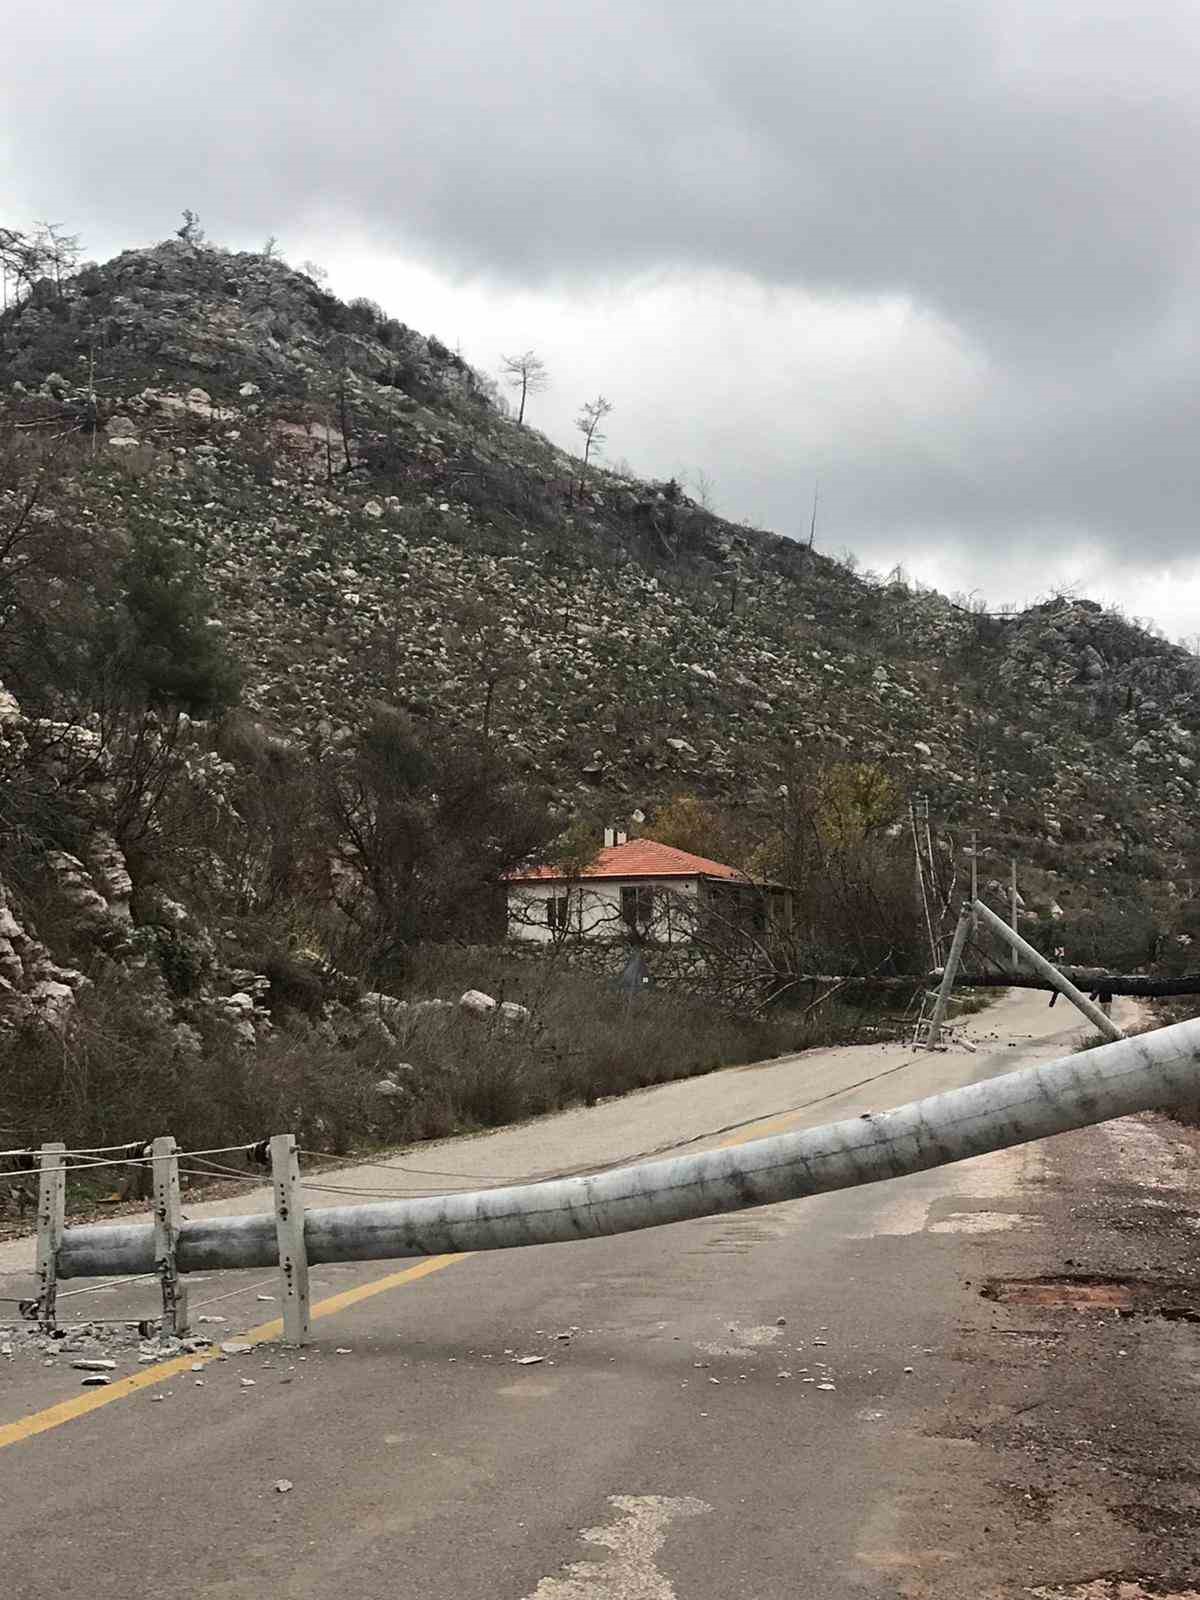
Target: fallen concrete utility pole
<point>1049,971</point>
<point>1154,1069</point>
<point>1090,979</point>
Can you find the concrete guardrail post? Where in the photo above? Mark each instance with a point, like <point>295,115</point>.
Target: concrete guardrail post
<point>51,1217</point>
<point>168,1218</point>
<point>289,1234</point>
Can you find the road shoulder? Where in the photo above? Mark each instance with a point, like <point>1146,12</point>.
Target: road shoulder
<point>1063,1460</point>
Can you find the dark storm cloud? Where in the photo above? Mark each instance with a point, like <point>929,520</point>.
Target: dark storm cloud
<point>1022,172</point>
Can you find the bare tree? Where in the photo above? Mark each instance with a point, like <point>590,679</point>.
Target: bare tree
<point>22,262</point>
<point>588,422</point>
<point>476,632</point>
<point>526,372</point>
<point>315,271</point>
<point>703,489</point>
<point>59,251</point>
<point>270,249</point>
<point>191,232</point>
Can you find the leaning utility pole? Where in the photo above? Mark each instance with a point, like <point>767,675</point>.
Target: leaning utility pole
<point>933,1032</point>
<point>1016,951</point>
<point>1048,971</point>
<point>918,812</point>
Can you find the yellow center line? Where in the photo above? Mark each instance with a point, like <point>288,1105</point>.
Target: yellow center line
<point>759,1130</point>
<point>82,1405</point>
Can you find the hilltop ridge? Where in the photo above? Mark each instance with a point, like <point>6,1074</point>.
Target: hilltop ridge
<point>371,527</point>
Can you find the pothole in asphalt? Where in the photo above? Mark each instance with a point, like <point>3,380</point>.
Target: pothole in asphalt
<point>1176,1302</point>
<point>1072,1294</point>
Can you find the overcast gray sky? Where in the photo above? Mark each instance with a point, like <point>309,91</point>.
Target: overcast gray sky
<point>942,257</point>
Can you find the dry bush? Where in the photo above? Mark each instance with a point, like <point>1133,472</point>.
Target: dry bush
<point>123,1073</point>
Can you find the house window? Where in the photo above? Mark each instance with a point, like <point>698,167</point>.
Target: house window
<point>558,910</point>
<point>637,905</point>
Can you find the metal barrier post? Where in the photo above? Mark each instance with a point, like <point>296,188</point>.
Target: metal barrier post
<point>52,1205</point>
<point>289,1230</point>
<point>168,1214</point>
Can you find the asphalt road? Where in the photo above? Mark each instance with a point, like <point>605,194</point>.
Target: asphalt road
<point>737,1407</point>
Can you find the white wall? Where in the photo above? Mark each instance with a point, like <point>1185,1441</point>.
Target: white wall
<point>595,909</point>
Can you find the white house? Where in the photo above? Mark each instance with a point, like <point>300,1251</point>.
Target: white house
<point>639,888</point>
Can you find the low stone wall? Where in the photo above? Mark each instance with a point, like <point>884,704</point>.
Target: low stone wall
<point>680,964</point>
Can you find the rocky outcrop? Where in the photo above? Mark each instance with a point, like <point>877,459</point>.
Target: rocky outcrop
<point>33,988</point>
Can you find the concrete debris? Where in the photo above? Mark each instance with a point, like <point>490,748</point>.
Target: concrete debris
<point>94,1366</point>
<point>529,1361</point>
<point>247,1383</point>
<point>283,1485</point>
<point>235,1347</point>
<point>211,1319</point>
<point>97,1380</point>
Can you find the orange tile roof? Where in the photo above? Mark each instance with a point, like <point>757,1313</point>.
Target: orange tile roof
<point>638,858</point>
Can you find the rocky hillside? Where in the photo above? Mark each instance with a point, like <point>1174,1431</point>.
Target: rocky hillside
<point>371,527</point>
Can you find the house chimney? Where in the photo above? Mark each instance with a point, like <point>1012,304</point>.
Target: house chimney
<point>610,838</point>
<point>621,837</point>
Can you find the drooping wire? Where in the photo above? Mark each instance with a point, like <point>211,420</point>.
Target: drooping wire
<point>215,1299</point>
<point>106,1283</point>
<point>88,1165</point>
